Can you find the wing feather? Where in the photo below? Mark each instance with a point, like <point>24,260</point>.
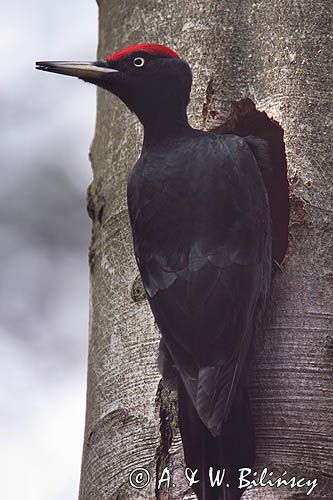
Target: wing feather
<point>204,254</point>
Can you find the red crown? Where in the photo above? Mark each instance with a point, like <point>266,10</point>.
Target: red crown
<point>151,48</point>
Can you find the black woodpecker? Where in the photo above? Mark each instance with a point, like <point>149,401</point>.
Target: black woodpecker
<point>202,240</point>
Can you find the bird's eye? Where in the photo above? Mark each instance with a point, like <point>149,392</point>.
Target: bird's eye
<point>139,62</point>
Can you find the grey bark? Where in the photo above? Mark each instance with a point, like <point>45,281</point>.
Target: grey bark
<point>278,54</point>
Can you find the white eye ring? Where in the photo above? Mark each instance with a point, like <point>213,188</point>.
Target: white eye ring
<point>139,62</point>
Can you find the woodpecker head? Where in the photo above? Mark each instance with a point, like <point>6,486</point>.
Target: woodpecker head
<point>150,79</point>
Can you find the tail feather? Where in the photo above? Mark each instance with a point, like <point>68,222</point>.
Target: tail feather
<point>231,450</point>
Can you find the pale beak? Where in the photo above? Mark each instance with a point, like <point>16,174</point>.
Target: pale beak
<point>85,70</point>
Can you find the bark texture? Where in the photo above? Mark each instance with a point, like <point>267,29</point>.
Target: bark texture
<point>277,54</point>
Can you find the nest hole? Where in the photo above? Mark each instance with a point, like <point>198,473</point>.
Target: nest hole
<point>244,119</point>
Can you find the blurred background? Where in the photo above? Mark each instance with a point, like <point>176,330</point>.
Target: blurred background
<point>47,125</point>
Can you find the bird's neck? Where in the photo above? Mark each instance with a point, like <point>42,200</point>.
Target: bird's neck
<point>162,126</point>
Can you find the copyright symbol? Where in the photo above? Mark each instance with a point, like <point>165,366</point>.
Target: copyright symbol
<point>139,478</point>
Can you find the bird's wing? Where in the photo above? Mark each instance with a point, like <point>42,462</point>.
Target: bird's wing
<point>202,243</point>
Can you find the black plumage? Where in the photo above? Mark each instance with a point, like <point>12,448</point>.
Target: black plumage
<point>202,240</point>
<point>201,228</point>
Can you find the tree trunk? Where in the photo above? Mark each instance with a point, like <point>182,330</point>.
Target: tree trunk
<point>277,54</point>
